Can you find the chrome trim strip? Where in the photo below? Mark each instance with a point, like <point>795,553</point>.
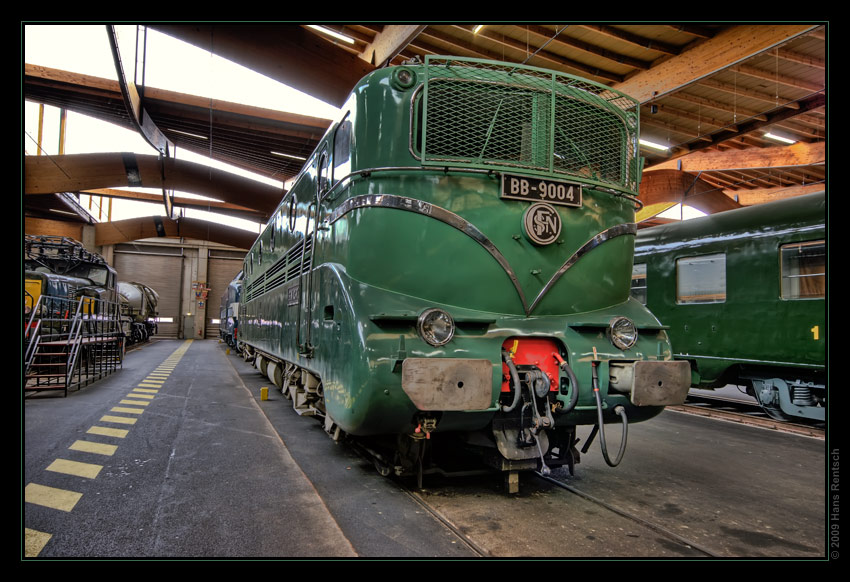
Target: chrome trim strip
<point>605,235</point>
<point>337,187</point>
<point>441,214</point>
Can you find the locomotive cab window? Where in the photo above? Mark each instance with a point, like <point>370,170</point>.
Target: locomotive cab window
<point>342,150</point>
<point>803,270</point>
<point>639,282</point>
<point>701,279</point>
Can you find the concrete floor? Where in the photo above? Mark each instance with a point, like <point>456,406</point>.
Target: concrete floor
<point>202,467</point>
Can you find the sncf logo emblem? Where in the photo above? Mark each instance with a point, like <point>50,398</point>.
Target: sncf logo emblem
<point>542,224</point>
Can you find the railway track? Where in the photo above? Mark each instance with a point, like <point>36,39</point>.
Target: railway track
<point>456,529</point>
<point>462,505</point>
<point>655,527</point>
<point>460,511</point>
<point>743,412</point>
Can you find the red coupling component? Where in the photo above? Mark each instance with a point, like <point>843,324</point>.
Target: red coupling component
<point>532,351</point>
<point>418,430</point>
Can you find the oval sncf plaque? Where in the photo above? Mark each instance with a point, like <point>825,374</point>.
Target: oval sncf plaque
<point>541,224</point>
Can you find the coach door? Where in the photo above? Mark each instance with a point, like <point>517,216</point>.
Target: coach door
<point>306,287</point>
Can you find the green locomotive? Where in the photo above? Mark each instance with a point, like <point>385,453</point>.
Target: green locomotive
<point>453,264</point>
<point>743,293</point>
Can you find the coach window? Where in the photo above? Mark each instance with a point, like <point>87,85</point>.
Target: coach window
<point>803,270</point>
<point>701,279</point>
<point>639,282</point>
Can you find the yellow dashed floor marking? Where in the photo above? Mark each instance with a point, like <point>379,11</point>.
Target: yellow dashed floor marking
<point>106,431</point>
<point>34,542</point>
<point>96,448</point>
<point>137,395</point>
<point>51,497</point>
<point>127,410</point>
<point>64,500</point>
<point>76,468</point>
<point>118,419</point>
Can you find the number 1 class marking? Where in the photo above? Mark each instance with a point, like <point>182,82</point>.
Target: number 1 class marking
<point>816,332</point>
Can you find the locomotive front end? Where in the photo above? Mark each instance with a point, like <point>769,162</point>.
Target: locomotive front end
<point>508,255</point>
<point>455,261</point>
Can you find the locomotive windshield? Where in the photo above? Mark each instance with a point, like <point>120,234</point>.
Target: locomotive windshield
<point>98,275</point>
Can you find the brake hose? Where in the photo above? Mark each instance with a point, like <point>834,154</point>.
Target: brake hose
<point>514,382</point>
<point>619,410</point>
<point>573,383</point>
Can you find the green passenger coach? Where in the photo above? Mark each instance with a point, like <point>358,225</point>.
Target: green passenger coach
<point>453,265</point>
<point>743,293</point>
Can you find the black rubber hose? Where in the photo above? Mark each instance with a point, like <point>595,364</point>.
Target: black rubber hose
<point>514,382</point>
<point>618,410</point>
<point>573,388</point>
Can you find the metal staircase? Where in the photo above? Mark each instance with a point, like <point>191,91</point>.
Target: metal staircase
<point>69,343</point>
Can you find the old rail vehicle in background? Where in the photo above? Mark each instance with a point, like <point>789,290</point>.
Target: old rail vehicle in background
<point>228,327</point>
<point>61,275</point>
<point>139,307</point>
<point>451,270</point>
<point>743,293</point>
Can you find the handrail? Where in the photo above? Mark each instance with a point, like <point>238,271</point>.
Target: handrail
<point>74,341</point>
<point>32,345</point>
<point>87,323</point>
<point>32,335</point>
<point>35,309</point>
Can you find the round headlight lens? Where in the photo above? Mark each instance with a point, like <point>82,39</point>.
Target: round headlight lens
<point>622,333</point>
<point>436,327</point>
<point>403,78</point>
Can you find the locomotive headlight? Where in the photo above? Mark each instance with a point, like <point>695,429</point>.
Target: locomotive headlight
<point>403,78</point>
<point>436,327</point>
<point>622,333</point>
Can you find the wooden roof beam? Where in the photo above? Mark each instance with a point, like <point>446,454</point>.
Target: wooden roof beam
<point>567,41</point>
<point>389,43</point>
<point>761,196</point>
<point>76,172</point>
<point>548,56</point>
<point>662,187</point>
<point>706,58</point>
<point>119,231</point>
<point>778,115</point>
<point>799,58</point>
<point>772,77</point>
<point>634,39</point>
<point>800,154</point>
<point>219,207</point>
<point>717,106</point>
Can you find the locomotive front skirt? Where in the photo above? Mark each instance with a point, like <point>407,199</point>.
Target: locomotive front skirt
<point>454,263</point>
